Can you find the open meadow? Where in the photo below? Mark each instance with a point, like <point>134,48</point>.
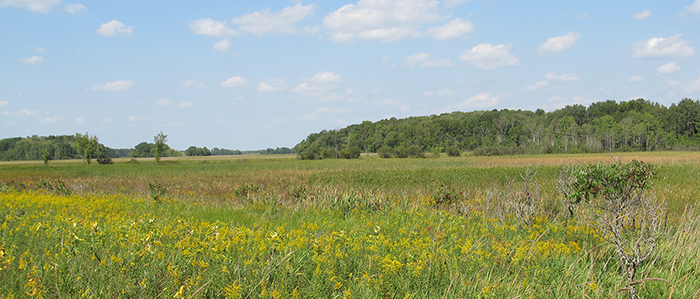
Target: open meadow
<point>279,227</point>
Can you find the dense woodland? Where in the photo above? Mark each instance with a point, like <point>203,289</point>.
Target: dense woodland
<point>638,125</point>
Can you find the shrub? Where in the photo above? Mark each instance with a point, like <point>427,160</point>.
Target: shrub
<point>386,152</point>
<point>352,152</point>
<point>453,151</point>
<point>329,153</point>
<point>104,158</point>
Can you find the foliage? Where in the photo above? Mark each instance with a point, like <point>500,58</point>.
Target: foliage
<point>104,158</point>
<point>453,151</point>
<point>87,145</point>
<point>623,214</point>
<point>159,141</point>
<point>196,151</point>
<point>156,191</point>
<point>602,127</point>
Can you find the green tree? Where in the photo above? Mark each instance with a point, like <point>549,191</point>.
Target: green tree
<point>159,141</point>
<point>87,145</point>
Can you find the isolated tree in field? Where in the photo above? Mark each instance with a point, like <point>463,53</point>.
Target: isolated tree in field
<point>86,145</point>
<point>159,141</point>
<point>622,212</point>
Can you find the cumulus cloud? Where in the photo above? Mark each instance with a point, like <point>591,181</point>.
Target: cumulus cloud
<point>564,77</point>
<point>75,8</point>
<point>452,3</point>
<point>538,85</point>
<point>164,102</point>
<point>272,85</point>
<point>4,103</point>
<point>185,105</point>
<point>25,112</point>
<point>224,45</point>
<point>642,15</point>
<point>488,56</point>
<point>454,29</point>
<point>114,27</point>
<point>51,119</point>
<point>559,43</point>
<point>424,59</point>
<point>441,93</point>
<point>325,77</point>
<point>134,118</point>
<point>210,27</point>
<point>193,83</point>
<point>113,86</point>
<point>668,68</point>
<point>673,46</point>
<point>387,20</point>
<point>79,120</point>
<point>636,79</point>
<point>33,60</point>
<point>263,22</point>
<point>42,6</point>
<point>482,100</point>
<point>694,8</point>
<point>234,82</point>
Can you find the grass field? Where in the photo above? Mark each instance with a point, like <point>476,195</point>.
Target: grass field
<point>278,227</point>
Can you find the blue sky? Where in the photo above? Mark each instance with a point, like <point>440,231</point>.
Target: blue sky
<point>258,74</point>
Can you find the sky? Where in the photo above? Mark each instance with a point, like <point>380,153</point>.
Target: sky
<point>257,74</point>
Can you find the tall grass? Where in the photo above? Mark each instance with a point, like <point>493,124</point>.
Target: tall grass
<point>281,228</point>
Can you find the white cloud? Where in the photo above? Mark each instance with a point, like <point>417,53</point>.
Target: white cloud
<point>538,85</point>
<point>686,86</point>
<point>564,77</point>
<point>42,6</point>
<point>193,83</point>
<point>234,82</point>
<point>424,60</point>
<point>51,119</point>
<point>114,27</point>
<point>387,20</point>
<point>488,56</point>
<point>113,86</point>
<point>559,43</point>
<point>445,62</point>
<point>272,85</point>
<point>135,118</point>
<point>454,29</point>
<point>79,120</point>
<point>25,112</point>
<point>673,46</point>
<point>75,9</point>
<point>452,3</point>
<point>642,15</point>
<point>415,59</point>
<point>583,16</point>
<point>4,103</point>
<point>185,105</point>
<point>210,27</point>
<point>224,45</point>
<point>164,102</point>
<point>441,93</point>
<point>636,79</point>
<point>694,8</point>
<point>315,89</point>
<point>105,120</point>
<point>264,22</point>
<point>668,68</point>
<point>482,100</point>
<point>325,77</point>
<point>33,60</point>
<point>329,110</point>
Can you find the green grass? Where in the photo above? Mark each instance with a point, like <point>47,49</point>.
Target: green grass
<point>277,227</point>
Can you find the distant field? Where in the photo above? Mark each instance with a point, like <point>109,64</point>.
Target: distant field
<point>257,226</point>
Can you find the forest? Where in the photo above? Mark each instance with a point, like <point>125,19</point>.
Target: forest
<point>607,126</point>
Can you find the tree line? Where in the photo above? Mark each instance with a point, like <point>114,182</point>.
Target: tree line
<point>635,125</point>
